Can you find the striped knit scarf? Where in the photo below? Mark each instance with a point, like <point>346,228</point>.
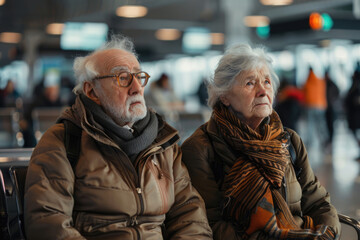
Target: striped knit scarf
<point>253,201</point>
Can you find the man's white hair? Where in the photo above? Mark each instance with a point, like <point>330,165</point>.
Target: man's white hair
<point>84,67</point>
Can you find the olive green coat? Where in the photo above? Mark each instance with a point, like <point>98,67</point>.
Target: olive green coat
<point>304,196</point>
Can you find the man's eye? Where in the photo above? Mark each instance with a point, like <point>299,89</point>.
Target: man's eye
<point>123,76</point>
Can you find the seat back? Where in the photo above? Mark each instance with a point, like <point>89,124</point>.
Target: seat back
<point>4,233</point>
<point>12,198</point>
<point>18,174</point>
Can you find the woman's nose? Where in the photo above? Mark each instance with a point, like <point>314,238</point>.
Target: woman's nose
<point>260,90</point>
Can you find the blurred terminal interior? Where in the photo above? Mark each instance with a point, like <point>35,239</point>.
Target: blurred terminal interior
<point>182,39</point>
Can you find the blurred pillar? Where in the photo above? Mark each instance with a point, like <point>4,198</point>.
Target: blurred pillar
<point>235,11</point>
<point>356,9</point>
<point>32,41</point>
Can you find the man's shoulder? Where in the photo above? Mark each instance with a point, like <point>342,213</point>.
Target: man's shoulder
<point>167,134</point>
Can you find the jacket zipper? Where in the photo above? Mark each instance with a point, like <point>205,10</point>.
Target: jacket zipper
<point>139,192</point>
<point>160,176</point>
<point>134,223</point>
<point>285,190</point>
<point>138,187</point>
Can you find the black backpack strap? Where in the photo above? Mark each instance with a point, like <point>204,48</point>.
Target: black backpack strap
<point>292,153</point>
<point>72,142</point>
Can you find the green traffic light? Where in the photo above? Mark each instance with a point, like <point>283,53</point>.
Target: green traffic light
<point>263,31</point>
<point>327,22</point>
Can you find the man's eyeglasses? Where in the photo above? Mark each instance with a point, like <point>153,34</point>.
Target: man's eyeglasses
<point>125,78</point>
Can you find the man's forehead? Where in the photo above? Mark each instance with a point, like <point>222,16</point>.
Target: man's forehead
<point>110,53</point>
<point>111,58</point>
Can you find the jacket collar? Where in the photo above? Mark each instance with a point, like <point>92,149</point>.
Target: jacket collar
<point>77,114</point>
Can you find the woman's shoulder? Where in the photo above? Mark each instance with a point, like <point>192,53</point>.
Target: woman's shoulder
<point>295,137</point>
<point>198,139</point>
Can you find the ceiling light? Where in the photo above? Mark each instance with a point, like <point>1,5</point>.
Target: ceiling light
<point>217,38</point>
<point>256,21</point>
<point>131,11</point>
<point>55,28</point>
<point>276,2</point>
<point>2,2</point>
<point>167,34</point>
<point>10,37</point>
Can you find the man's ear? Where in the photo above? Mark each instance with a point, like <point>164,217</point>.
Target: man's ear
<point>89,90</point>
<point>224,100</point>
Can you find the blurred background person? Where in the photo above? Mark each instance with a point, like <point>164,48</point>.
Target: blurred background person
<point>352,106</point>
<point>289,104</point>
<point>315,105</point>
<point>162,98</point>
<point>333,107</point>
<point>9,95</point>
<point>46,94</point>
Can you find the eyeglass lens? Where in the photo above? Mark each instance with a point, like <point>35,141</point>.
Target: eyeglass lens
<point>125,78</point>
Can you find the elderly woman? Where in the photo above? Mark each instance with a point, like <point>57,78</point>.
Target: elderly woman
<point>240,163</point>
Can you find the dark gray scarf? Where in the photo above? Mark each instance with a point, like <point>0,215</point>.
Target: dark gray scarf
<point>131,142</point>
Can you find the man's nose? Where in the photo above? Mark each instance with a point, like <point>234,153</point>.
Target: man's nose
<point>135,87</point>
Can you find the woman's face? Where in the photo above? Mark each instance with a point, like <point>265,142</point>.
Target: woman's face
<point>251,96</point>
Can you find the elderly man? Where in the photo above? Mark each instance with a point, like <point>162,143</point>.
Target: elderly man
<point>128,181</point>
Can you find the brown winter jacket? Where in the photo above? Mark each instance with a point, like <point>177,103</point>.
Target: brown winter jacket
<point>304,196</point>
<point>109,198</point>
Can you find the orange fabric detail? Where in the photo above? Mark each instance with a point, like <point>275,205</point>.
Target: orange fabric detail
<point>315,92</point>
<point>261,217</point>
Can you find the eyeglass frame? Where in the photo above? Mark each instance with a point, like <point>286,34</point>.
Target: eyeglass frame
<point>117,76</point>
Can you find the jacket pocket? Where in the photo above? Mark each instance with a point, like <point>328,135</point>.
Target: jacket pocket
<point>93,224</point>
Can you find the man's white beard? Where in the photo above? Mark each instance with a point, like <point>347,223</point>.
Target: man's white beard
<point>124,115</point>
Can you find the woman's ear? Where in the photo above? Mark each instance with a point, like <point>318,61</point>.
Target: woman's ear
<point>89,90</point>
<point>224,100</point>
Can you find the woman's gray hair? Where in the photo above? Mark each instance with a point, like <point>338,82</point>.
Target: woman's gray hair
<point>240,57</point>
<point>84,67</point>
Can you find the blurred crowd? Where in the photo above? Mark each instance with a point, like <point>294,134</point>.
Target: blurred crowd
<point>46,94</point>
<point>318,102</point>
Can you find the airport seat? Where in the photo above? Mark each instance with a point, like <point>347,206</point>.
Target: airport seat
<point>11,209</point>
<point>350,228</point>
<point>44,118</point>
<point>18,174</point>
